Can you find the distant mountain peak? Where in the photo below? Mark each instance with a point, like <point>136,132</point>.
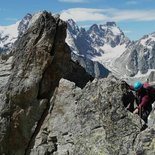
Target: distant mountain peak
<point>94,27</point>
<point>71,22</point>
<point>28,16</point>
<point>23,25</point>
<point>72,26</point>
<point>110,24</point>
<point>9,34</point>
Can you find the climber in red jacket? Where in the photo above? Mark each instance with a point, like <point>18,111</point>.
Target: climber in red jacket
<point>143,100</point>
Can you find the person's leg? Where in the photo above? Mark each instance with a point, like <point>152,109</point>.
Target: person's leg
<point>144,116</point>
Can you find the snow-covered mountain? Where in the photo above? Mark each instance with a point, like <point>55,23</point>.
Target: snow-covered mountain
<point>100,43</point>
<point>107,45</point>
<point>97,40</point>
<point>9,34</point>
<point>139,59</point>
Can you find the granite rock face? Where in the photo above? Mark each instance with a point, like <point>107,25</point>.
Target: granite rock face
<point>41,58</point>
<point>5,70</point>
<point>88,122</point>
<point>48,107</point>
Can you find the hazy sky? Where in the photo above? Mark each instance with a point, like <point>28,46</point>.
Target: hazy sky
<point>135,17</point>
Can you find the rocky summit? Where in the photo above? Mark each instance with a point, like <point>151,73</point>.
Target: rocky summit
<point>41,59</point>
<point>49,105</point>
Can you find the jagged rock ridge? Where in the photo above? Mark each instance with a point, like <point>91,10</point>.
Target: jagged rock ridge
<point>41,59</point>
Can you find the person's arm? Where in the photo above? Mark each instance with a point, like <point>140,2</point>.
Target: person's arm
<point>144,102</point>
<point>131,88</point>
<point>128,106</point>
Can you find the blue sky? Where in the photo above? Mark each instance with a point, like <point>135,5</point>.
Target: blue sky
<point>135,17</point>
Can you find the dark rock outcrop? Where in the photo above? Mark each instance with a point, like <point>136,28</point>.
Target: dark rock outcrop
<point>94,68</point>
<point>41,59</point>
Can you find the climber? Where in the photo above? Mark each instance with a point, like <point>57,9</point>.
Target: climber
<point>143,100</point>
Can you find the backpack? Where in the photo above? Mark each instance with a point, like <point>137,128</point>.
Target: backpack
<point>150,89</point>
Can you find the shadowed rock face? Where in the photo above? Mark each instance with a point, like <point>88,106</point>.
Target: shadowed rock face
<point>41,59</point>
<point>41,113</point>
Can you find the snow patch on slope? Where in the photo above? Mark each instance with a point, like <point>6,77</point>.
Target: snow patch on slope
<point>146,41</point>
<point>139,74</point>
<point>110,54</point>
<point>71,43</point>
<point>8,34</point>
